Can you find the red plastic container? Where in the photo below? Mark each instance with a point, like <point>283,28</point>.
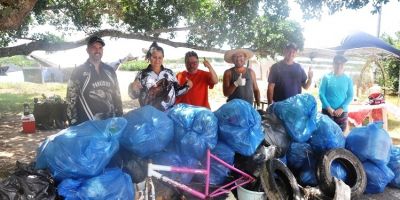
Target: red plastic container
<point>28,124</point>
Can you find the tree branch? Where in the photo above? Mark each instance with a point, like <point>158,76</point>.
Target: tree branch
<point>167,30</point>
<point>17,11</point>
<point>26,49</point>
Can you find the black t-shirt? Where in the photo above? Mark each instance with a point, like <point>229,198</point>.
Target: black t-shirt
<point>93,95</point>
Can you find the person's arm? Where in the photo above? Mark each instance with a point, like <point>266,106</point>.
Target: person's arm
<point>227,87</point>
<point>322,96</point>
<point>135,87</point>
<point>180,89</point>
<point>117,98</point>
<point>309,79</point>
<point>214,77</point>
<point>255,88</point>
<point>270,93</point>
<point>73,91</point>
<point>272,78</point>
<point>349,95</point>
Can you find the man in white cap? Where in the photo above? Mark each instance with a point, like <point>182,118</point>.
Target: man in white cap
<point>240,82</point>
<point>93,90</point>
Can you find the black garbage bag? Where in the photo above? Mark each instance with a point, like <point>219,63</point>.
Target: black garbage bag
<point>275,132</point>
<point>131,164</point>
<point>26,183</point>
<point>50,113</point>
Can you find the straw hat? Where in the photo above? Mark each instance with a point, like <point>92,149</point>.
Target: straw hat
<point>229,54</point>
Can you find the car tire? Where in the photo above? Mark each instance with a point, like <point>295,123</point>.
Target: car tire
<point>356,177</point>
<point>278,181</point>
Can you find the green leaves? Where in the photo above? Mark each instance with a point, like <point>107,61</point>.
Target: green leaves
<point>260,25</point>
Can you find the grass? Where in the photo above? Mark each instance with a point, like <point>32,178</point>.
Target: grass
<point>14,95</point>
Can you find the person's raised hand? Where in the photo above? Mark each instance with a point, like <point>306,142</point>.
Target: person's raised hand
<point>206,63</point>
<point>239,81</point>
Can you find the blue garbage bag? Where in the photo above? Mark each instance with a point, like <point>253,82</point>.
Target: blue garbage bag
<point>196,130</point>
<point>218,171</point>
<point>394,165</point>
<point>112,184</point>
<point>171,158</point>
<point>239,126</point>
<point>299,155</point>
<point>81,151</point>
<point>328,135</point>
<point>370,143</point>
<point>378,176</point>
<point>148,131</point>
<point>339,171</point>
<point>308,174</point>
<point>298,114</point>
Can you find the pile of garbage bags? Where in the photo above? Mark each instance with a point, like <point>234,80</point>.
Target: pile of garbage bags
<point>105,158</point>
<point>313,135</point>
<point>373,146</point>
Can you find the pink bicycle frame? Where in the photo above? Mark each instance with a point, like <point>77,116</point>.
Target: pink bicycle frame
<point>244,179</point>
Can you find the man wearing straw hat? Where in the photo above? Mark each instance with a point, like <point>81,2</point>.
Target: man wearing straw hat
<point>239,82</point>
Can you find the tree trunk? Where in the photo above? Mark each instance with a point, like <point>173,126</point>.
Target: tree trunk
<point>13,13</point>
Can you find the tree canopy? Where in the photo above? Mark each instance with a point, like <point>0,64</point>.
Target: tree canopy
<point>260,25</point>
<point>391,64</point>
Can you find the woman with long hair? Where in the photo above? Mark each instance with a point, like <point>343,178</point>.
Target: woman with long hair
<point>157,85</point>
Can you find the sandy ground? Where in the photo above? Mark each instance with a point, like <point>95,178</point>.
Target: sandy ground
<point>15,145</point>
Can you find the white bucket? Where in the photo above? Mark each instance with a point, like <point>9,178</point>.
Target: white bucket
<point>244,194</point>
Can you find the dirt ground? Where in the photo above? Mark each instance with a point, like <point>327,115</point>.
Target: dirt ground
<point>15,145</point>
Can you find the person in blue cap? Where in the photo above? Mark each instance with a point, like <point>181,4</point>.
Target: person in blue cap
<point>336,92</point>
<point>93,90</point>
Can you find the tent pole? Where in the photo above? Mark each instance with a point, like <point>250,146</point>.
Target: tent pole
<point>398,89</point>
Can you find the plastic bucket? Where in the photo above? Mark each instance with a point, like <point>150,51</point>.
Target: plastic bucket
<point>244,194</point>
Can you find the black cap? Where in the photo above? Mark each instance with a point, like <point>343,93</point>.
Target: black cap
<point>291,46</point>
<point>339,59</point>
<point>94,39</point>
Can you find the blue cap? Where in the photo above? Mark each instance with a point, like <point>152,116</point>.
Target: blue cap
<point>339,59</point>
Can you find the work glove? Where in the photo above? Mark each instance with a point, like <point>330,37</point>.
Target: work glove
<point>239,81</point>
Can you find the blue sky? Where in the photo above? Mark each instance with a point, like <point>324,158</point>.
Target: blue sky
<point>331,29</point>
